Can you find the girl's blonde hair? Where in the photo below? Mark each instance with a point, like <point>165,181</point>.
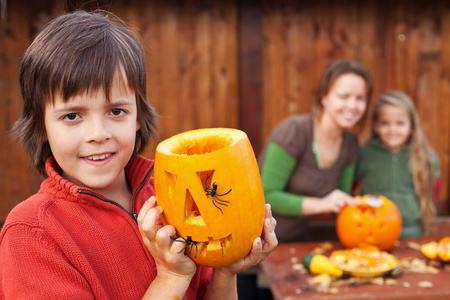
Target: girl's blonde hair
<point>421,157</point>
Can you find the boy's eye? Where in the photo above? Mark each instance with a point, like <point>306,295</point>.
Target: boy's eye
<point>71,117</point>
<point>361,99</point>
<point>117,111</point>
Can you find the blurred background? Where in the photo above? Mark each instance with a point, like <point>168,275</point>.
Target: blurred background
<point>247,64</point>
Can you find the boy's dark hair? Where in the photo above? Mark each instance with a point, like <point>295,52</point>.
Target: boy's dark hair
<point>335,69</point>
<point>76,53</point>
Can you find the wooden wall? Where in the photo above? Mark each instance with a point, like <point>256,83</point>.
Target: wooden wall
<point>405,45</point>
<point>248,64</point>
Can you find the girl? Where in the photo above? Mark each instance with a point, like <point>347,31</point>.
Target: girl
<point>398,162</point>
<point>93,231</point>
<point>308,163</point>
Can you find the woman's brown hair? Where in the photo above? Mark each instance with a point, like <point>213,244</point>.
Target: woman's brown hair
<point>76,53</point>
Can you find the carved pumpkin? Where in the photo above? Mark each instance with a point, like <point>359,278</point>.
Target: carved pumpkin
<point>208,183</point>
<point>367,261</point>
<point>373,221</point>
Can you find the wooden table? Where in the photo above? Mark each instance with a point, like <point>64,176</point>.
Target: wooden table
<point>288,283</point>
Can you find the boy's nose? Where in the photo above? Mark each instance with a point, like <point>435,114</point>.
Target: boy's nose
<point>97,131</point>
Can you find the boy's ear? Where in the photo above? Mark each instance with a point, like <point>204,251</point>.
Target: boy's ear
<point>138,125</point>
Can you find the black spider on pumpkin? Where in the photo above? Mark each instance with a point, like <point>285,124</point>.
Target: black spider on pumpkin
<point>212,191</point>
<point>188,242</point>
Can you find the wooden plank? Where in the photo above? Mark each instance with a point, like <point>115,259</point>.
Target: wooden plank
<point>225,64</point>
<point>299,55</point>
<point>428,77</point>
<point>443,141</point>
<point>250,71</point>
<point>187,57</point>
<point>274,73</point>
<point>168,57</point>
<point>365,19</point>
<point>204,63</point>
<point>305,55</point>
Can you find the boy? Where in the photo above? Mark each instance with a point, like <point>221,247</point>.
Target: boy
<point>84,121</point>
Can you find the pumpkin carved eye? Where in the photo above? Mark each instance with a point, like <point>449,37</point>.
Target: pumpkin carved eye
<point>207,181</point>
<point>211,191</point>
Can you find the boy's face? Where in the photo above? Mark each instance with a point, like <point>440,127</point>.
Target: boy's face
<point>91,139</point>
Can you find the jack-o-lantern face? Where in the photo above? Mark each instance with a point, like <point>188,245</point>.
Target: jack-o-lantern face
<point>208,183</point>
<point>373,221</point>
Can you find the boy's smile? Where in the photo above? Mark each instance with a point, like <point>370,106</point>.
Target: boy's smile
<point>99,159</point>
<point>92,139</point>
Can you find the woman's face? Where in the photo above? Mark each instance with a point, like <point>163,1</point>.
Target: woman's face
<point>346,101</point>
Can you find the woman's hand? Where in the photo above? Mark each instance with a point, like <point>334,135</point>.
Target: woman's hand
<point>333,202</point>
<point>336,201</point>
<point>157,237</point>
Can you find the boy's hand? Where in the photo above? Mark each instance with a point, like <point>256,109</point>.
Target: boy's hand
<point>262,246</point>
<point>164,250</point>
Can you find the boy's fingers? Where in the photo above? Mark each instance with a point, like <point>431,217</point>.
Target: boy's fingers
<point>273,221</point>
<point>270,239</point>
<point>256,252</point>
<point>145,208</point>
<point>164,234</point>
<point>148,225</point>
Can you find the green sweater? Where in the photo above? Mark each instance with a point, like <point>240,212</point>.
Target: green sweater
<point>383,172</point>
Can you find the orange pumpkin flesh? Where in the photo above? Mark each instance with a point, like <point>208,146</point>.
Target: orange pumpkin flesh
<point>437,250</point>
<point>186,167</point>
<point>373,221</point>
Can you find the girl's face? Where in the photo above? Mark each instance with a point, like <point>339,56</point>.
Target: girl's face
<point>346,100</point>
<point>393,126</point>
<point>92,139</point>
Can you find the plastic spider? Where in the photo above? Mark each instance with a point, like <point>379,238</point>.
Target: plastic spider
<point>212,191</point>
<point>188,242</point>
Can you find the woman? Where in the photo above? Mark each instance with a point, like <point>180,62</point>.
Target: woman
<point>308,162</point>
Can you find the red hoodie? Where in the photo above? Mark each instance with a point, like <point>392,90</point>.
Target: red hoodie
<point>68,242</point>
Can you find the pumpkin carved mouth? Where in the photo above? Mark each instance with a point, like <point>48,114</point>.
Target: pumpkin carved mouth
<point>214,245</point>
